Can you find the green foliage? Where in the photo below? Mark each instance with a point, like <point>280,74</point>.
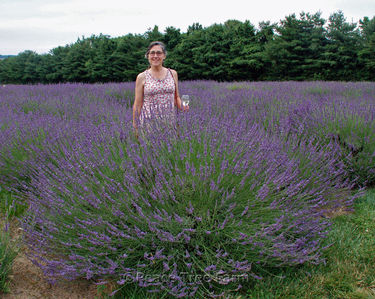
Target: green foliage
<point>172,37</point>
<point>123,96</point>
<point>24,68</point>
<point>340,56</point>
<point>316,91</point>
<point>367,53</point>
<point>298,48</point>
<point>14,172</point>
<point>356,138</point>
<point>9,205</point>
<point>8,252</point>
<point>294,54</point>
<point>349,271</point>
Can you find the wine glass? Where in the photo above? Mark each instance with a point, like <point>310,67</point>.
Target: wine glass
<point>185,100</point>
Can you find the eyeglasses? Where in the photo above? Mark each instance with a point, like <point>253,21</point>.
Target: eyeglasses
<point>157,53</point>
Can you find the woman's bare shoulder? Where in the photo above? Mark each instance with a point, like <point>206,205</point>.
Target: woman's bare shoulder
<point>173,71</point>
<point>141,77</point>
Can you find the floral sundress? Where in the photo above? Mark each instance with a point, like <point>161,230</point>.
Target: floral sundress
<point>158,99</point>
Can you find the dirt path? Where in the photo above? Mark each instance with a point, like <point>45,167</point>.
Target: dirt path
<point>27,280</point>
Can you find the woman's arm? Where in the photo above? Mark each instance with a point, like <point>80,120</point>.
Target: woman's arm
<point>138,101</point>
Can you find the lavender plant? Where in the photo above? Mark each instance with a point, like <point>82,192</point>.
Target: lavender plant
<point>244,185</point>
<point>342,113</point>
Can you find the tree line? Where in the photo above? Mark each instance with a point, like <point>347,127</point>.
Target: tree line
<point>304,47</point>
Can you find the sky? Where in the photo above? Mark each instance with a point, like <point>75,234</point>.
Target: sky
<point>41,25</point>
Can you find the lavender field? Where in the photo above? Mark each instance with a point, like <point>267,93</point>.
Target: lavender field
<point>246,182</point>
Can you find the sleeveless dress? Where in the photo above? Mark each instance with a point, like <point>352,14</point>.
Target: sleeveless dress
<point>158,99</point>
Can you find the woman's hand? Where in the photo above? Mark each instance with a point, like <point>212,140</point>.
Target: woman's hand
<point>180,106</point>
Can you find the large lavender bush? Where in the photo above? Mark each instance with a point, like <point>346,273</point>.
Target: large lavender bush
<point>241,185</point>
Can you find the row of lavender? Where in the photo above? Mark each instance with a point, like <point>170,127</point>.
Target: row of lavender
<point>242,184</point>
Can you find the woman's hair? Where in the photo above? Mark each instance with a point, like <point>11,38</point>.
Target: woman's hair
<point>156,43</point>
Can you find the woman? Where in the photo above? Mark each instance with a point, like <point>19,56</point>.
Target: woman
<point>156,89</point>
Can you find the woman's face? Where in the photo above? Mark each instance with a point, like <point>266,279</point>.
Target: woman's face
<point>156,56</point>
